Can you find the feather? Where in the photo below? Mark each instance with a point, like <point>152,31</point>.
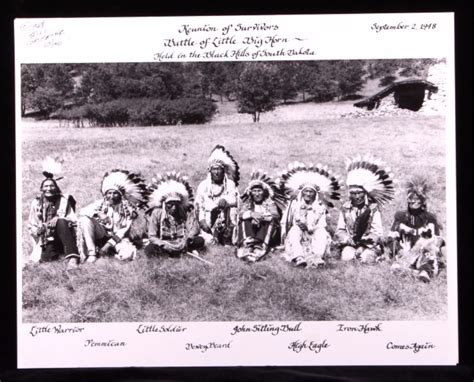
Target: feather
<point>259,177</point>
<point>51,167</point>
<point>418,185</point>
<point>298,175</point>
<point>172,184</point>
<point>130,185</point>
<point>220,155</point>
<point>369,174</point>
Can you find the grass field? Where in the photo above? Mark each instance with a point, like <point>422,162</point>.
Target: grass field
<point>185,289</point>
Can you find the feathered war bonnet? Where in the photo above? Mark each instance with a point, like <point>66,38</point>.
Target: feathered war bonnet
<point>171,187</point>
<point>259,178</point>
<point>130,185</point>
<point>317,177</point>
<point>221,157</point>
<point>420,187</point>
<point>51,169</point>
<point>368,173</point>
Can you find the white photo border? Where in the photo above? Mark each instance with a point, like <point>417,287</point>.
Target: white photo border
<point>329,37</point>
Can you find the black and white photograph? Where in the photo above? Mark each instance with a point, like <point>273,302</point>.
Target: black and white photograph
<point>235,188</point>
<point>310,190</point>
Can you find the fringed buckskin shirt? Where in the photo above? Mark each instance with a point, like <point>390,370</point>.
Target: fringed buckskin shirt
<point>208,195</point>
<point>42,211</point>
<point>118,218</point>
<point>347,227</point>
<point>167,227</point>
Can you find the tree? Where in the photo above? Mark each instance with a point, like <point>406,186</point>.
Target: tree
<point>58,77</point>
<point>28,86</point>
<point>194,82</point>
<point>45,87</point>
<point>172,75</point>
<point>218,78</point>
<point>417,67</point>
<point>349,76</point>
<point>387,80</point>
<point>382,68</point>
<point>46,100</point>
<point>258,89</point>
<point>97,85</point>
<point>287,79</point>
<point>320,82</point>
<point>303,72</point>
<point>322,89</point>
<point>232,71</point>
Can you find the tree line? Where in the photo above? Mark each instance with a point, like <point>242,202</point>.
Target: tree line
<point>118,94</point>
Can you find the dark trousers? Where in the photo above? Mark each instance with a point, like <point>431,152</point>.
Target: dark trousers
<point>192,243</point>
<point>62,242</point>
<point>266,233</point>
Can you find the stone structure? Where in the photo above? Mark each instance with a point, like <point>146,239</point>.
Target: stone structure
<point>409,96</point>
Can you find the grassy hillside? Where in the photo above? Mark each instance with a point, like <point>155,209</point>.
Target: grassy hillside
<point>186,289</point>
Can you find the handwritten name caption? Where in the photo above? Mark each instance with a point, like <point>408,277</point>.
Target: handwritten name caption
<point>414,346</point>
<point>107,343</point>
<point>274,330</point>
<point>153,328</point>
<point>209,346</point>
<point>313,346</point>
<point>402,26</point>
<point>363,328</point>
<point>54,329</point>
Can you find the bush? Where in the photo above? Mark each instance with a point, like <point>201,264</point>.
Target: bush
<point>143,112</point>
<point>195,110</point>
<point>323,90</point>
<point>113,113</point>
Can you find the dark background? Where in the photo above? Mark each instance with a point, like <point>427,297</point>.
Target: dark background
<point>105,8</point>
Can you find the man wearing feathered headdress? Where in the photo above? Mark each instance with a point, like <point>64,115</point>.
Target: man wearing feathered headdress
<point>217,198</point>
<point>52,219</point>
<point>172,228</point>
<point>259,217</point>
<point>414,237</point>
<point>359,229</point>
<point>106,223</point>
<point>311,190</point>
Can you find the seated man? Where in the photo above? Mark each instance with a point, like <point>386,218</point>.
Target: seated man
<point>217,198</point>
<point>414,238</point>
<point>106,223</point>
<point>359,228</point>
<point>310,189</point>
<point>258,217</point>
<point>52,220</point>
<point>172,228</point>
